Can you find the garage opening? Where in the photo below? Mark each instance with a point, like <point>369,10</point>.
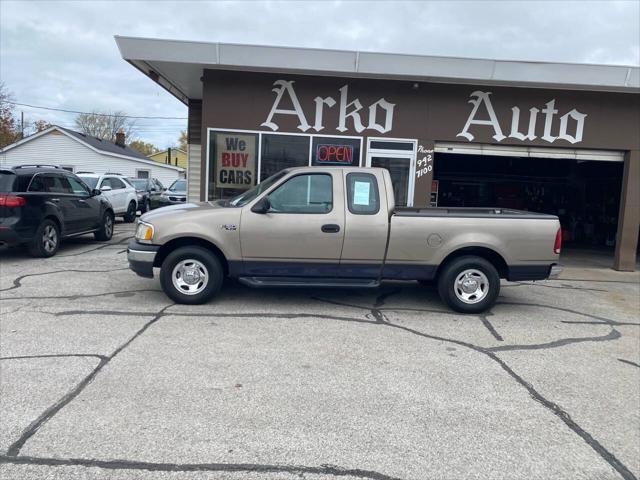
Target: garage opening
<point>581,187</point>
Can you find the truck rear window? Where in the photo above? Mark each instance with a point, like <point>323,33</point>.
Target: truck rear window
<point>362,194</point>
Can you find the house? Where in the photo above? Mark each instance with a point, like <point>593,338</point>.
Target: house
<point>77,152</point>
<point>178,157</point>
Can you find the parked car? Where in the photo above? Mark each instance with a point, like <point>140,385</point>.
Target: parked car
<point>148,191</point>
<point>117,189</point>
<point>175,194</point>
<point>339,227</point>
<point>40,205</point>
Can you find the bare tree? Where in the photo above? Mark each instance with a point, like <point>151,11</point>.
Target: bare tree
<point>9,131</point>
<point>106,125</point>
<point>182,141</point>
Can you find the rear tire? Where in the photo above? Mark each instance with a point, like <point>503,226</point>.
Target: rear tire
<point>106,229</point>
<point>130,216</point>
<point>46,240</point>
<point>191,275</point>
<point>146,206</point>
<point>469,284</point>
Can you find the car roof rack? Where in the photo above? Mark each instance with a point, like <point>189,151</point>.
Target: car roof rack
<point>40,165</point>
<point>78,173</point>
<point>113,173</point>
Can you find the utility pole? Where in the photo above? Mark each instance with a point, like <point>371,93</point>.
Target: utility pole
<point>169,156</point>
<point>21,125</point>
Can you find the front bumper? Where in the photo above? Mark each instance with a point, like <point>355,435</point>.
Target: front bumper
<point>141,258</point>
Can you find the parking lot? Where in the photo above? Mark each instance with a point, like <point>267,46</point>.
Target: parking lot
<point>102,377</point>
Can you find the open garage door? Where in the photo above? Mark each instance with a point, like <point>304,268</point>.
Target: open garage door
<point>581,187</point>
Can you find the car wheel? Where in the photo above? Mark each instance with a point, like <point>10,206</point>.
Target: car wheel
<point>46,241</point>
<point>191,275</point>
<point>106,228</point>
<point>130,216</point>
<point>469,284</point>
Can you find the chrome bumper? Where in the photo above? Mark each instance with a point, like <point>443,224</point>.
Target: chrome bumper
<point>555,272</point>
<point>141,258</point>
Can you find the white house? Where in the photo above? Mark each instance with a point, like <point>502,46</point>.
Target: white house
<point>78,152</point>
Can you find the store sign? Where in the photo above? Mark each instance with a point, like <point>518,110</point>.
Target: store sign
<point>571,123</point>
<point>334,154</point>
<point>235,160</point>
<point>380,117</point>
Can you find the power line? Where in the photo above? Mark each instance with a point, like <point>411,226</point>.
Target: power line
<point>93,113</point>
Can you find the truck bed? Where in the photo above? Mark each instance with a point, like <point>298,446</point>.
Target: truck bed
<point>469,212</point>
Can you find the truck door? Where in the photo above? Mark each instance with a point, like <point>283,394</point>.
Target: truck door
<point>301,234</point>
<point>367,225</point>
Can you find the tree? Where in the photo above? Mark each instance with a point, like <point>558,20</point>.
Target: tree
<point>144,148</point>
<point>9,131</point>
<point>182,141</point>
<point>40,125</point>
<point>105,125</point>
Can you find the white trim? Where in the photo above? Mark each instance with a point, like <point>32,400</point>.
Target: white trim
<point>259,155</point>
<point>402,154</point>
<point>529,151</point>
<point>102,152</point>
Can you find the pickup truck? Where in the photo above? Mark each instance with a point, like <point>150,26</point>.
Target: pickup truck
<point>339,227</point>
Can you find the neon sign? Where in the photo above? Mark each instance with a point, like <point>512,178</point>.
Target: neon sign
<point>334,154</point>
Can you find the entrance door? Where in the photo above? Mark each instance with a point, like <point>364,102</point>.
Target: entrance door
<point>399,157</point>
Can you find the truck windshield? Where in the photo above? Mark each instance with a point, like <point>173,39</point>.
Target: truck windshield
<point>244,198</point>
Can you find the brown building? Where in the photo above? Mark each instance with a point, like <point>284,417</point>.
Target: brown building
<point>554,138</point>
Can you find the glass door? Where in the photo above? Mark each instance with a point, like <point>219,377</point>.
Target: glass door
<point>399,157</point>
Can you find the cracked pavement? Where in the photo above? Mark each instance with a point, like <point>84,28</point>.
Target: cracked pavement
<point>102,377</point>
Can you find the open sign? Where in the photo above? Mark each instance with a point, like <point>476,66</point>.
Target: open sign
<point>336,154</point>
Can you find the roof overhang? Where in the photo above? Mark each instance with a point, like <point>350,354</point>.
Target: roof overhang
<point>178,66</point>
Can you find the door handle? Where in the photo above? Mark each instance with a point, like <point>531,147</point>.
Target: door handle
<point>80,200</point>
<point>330,228</point>
<point>56,200</point>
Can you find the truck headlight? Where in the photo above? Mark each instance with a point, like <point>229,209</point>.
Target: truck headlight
<point>144,232</point>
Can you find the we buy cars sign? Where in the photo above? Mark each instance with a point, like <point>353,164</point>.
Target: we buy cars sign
<point>235,160</point>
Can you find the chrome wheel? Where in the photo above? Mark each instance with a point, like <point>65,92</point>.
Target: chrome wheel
<point>471,286</point>
<point>190,277</point>
<point>49,238</point>
<point>108,225</point>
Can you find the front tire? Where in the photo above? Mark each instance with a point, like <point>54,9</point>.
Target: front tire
<point>191,275</point>
<point>46,241</point>
<point>469,284</point>
<point>130,216</point>
<point>146,206</point>
<point>106,228</point>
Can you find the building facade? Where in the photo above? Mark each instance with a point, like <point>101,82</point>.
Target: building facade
<point>560,139</point>
<point>171,156</point>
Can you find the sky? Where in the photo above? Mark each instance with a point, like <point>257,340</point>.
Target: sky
<point>62,54</point>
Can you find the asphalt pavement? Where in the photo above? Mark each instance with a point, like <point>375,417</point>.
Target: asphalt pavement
<point>103,377</point>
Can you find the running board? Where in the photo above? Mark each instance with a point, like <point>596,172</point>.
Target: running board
<point>262,282</point>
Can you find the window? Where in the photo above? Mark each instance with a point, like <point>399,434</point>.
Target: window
<point>91,181</point>
<point>114,183</point>
<point>303,194</point>
<point>233,160</point>
<point>143,173</point>
<point>56,184</point>
<point>158,185</point>
<point>283,151</point>
<point>362,194</point>
<point>335,152</point>
<point>77,187</point>
<point>37,184</point>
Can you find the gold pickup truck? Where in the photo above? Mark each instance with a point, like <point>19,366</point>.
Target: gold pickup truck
<point>339,227</point>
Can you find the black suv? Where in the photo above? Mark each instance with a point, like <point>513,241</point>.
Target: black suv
<point>148,191</point>
<point>39,205</point>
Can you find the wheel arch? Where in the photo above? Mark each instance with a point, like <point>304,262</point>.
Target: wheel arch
<point>179,242</point>
<point>488,254</point>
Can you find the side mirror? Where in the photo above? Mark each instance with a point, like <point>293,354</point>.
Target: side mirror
<point>154,189</point>
<point>95,192</point>
<point>263,206</point>
<point>105,188</point>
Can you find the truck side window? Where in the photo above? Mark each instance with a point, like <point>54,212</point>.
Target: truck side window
<point>303,194</point>
<point>362,194</point>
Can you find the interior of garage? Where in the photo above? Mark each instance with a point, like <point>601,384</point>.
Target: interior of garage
<point>584,194</point>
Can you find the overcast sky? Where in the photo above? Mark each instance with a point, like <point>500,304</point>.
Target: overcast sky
<point>63,55</point>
